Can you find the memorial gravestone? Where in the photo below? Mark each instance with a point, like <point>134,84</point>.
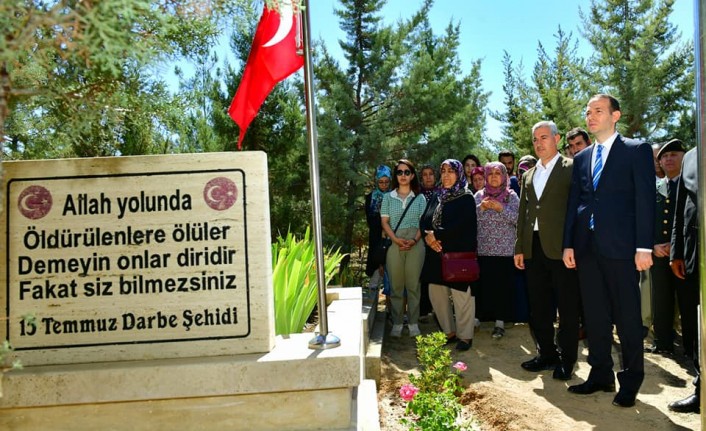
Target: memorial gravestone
<point>137,258</point>
<point>149,285</point>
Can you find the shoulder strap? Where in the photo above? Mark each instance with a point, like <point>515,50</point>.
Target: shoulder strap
<point>404,212</point>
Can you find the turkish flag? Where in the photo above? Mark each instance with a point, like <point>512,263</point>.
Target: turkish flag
<point>273,57</point>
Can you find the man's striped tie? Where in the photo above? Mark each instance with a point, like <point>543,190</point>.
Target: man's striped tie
<point>597,169</point>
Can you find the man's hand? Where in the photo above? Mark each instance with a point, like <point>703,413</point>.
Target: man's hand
<point>661,250</point>
<point>678,268</point>
<point>520,261</point>
<point>568,258</point>
<point>643,260</point>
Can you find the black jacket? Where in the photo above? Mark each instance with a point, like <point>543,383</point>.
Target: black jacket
<point>458,232</point>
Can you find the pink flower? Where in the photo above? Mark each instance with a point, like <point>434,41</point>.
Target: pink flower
<point>460,366</point>
<point>408,391</point>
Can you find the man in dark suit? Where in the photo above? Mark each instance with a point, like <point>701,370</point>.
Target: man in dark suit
<point>538,248</point>
<point>664,285</point>
<point>608,238</point>
<point>684,260</point>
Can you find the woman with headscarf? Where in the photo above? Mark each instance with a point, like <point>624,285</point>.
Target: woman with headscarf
<point>428,181</point>
<point>373,202</point>
<point>449,225</point>
<point>526,163</point>
<point>400,213</point>
<point>477,179</point>
<point>497,208</point>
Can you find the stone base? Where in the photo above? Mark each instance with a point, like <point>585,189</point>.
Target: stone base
<point>290,388</point>
<point>303,410</point>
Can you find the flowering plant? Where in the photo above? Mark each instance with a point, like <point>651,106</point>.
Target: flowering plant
<point>432,396</point>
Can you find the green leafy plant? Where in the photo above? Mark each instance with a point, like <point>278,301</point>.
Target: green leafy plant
<point>294,280</point>
<point>432,396</point>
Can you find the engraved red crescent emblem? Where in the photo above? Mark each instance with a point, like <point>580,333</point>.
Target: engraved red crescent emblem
<point>220,193</point>
<point>34,202</point>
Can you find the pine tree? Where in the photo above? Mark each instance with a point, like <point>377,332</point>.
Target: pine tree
<point>640,59</point>
<point>523,109</point>
<point>560,81</point>
<point>402,94</point>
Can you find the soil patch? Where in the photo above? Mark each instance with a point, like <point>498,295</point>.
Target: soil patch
<point>500,395</point>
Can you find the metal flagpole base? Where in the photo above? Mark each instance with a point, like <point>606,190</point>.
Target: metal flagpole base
<point>323,342</point>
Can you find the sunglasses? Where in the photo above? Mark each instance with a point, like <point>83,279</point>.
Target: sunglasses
<point>406,172</point>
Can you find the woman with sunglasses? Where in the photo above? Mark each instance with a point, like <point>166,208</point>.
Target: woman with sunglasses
<point>405,256</point>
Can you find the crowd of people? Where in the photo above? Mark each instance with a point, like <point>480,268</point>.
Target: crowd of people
<point>577,241</point>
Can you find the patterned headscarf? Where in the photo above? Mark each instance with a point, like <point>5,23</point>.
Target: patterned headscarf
<point>376,198</point>
<point>524,166</point>
<point>502,192</point>
<point>454,192</point>
<point>478,170</point>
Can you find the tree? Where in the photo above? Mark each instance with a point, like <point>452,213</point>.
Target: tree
<point>561,84</point>
<point>354,103</point>
<point>523,109</point>
<point>76,78</point>
<point>439,112</point>
<point>401,94</point>
<point>640,60</point>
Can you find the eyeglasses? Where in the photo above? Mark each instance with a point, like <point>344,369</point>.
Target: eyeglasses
<point>400,172</point>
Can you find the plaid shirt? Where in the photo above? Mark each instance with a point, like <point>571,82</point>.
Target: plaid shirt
<point>393,207</point>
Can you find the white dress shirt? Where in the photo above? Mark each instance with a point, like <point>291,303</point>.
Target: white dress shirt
<point>607,145</point>
<point>539,179</point>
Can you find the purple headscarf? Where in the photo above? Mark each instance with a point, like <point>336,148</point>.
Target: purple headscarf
<point>478,170</point>
<point>502,192</point>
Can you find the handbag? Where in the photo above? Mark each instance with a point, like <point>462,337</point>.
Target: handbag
<point>460,267</point>
<point>379,253</point>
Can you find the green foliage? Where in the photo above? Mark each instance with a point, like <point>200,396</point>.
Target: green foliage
<point>637,56</point>
<point>640,59</point>
<point>436,411</point>
<point>434,362</point>
<point>560,83</point>
<point>401,93</point>
<point>295,282</point>
<point>82,78</point>
<point>522,106</point>
<point>433,395</point>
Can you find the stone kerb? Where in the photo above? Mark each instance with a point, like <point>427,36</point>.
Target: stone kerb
<point>135,258</point>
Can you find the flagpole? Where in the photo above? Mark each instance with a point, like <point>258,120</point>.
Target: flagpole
<point>323,339</point>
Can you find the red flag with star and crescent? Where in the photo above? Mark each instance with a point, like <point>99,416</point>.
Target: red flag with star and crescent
<point>273,57</point>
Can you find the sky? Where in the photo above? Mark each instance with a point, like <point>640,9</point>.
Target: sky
<point>487,29</point>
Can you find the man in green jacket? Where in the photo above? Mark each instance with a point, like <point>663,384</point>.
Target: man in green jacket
<point>538,249</point>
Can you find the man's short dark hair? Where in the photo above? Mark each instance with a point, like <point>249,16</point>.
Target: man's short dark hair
<point>506,153</point>
<point>577,131</point>
<point>614,104</point>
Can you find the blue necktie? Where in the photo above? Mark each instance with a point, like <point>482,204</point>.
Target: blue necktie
<point>597,169</point>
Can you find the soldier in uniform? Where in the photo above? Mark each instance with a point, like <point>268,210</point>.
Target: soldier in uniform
<point>664,284</point>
